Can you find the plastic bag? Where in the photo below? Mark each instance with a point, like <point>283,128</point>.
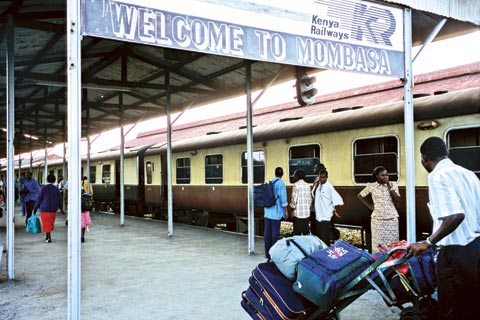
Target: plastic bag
<point>33,224</point>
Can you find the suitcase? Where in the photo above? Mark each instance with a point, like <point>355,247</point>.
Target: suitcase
<point>254,306</point>
<point>271,296</point>
<point>322,274</point>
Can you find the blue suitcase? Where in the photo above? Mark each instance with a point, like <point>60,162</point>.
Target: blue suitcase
<point>254,306</point>
<point>271,296</point>
<point>322,274</point>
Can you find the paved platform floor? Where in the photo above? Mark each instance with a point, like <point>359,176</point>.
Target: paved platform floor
<point>137,272</point>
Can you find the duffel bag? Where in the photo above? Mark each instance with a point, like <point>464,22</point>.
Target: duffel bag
<point>322,274</point>
<point>419,279</point>
<point>286,253</point>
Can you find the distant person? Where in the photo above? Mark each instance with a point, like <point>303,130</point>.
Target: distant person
<point>86,220</point>
<point>273,215</point>
<point>454,203</point>
<point>49,201</point>
<point>60,186</point>
<point>30,190</point>
<point>313,220</point>
<point>22,195</point>
<point>301,201</point>
<point>85,186</point>
<point>384,218</point>
<point>326,200</point>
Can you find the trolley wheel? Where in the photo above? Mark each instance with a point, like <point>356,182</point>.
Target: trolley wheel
<point>410,313</point>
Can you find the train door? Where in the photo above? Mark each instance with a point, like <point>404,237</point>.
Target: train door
<point>163,180</point>
<point>116,198</point>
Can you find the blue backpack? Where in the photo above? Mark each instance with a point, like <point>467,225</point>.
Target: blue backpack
<point>264,196</point>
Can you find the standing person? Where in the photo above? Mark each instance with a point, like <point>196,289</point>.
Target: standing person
<point>86,220</point>
<point>313,221</point>
<point>454,203</point>
<point>326,200</point>
<point>49,201</point>
<point>85,186</point>
<point>60,185</point>
<point>274,214</point>
<point>384,218</point>
<point>22,195</point>
<point>300,203</point>
<point>30,191</point>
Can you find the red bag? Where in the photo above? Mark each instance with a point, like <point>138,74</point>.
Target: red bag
<point>397,254</point>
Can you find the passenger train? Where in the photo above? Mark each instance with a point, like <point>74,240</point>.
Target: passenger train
<point>209,172</point>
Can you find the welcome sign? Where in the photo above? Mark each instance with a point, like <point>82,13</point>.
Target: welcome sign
<point>348,35</point>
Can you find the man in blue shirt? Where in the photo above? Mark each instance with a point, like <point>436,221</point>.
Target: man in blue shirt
<point>273,215</point>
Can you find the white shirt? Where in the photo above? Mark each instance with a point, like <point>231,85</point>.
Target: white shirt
<point>453,189</point>
<point>326,198</point>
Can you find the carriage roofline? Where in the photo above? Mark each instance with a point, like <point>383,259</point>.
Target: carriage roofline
<point>438,106</point>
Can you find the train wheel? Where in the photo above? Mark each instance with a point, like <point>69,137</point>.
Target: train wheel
<point>232,226</point>
<point>410,313</point>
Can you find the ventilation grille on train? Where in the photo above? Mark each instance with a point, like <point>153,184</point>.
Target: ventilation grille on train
<point>290,119</point>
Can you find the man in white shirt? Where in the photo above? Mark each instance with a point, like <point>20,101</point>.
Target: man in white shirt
<point>326,200</point>
<point>454,203</point>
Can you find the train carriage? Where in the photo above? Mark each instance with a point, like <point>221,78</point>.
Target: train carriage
<point>209,172</point>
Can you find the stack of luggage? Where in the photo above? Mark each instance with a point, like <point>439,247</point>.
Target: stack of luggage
<point>303,277</point>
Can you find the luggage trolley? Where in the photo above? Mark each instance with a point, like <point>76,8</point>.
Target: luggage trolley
<point>402,280</point>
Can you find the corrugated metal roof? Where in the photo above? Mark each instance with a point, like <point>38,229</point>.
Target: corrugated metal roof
<point>196,78</point>
<point>462,10</point>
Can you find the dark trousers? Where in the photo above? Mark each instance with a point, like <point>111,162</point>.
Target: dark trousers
<point>301,226</point>
<point>29,206</point>
<point>271,233</point>
<point>324,231</point>
<point>458,269</point>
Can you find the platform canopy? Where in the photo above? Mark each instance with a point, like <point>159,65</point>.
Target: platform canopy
<point>115,71</point>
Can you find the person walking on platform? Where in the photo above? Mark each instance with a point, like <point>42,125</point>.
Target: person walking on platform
<point>300,203</point>
<point>273,215</point>
<point>49,201</point>
<point>384,219</point>
<point>454,203</point>
<point>326,200</point>
<point>30,191</point>
<point>86,220</point>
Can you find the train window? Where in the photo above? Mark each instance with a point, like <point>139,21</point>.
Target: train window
<point>149,169</point>
<point>183,171</point>
<point>106,174</point>
<point>464,148</point>
<point>40,177</point>
<point>372,152</point>
<point>304,158</point>
<point>258,167</point>
<point>214,169</point>
<point>93,174</point>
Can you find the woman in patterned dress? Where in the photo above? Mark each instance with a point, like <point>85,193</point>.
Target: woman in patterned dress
<point>384,219</point>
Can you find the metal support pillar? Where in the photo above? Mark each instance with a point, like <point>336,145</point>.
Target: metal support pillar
<point>251,208</point>
<point>74,116</point>
<point>122,164</point>
<point>10,214</point>
<point>169,158</point>
<point>409,127</point>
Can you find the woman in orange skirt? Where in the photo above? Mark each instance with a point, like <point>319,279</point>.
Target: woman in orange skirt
<point>49,201</point>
